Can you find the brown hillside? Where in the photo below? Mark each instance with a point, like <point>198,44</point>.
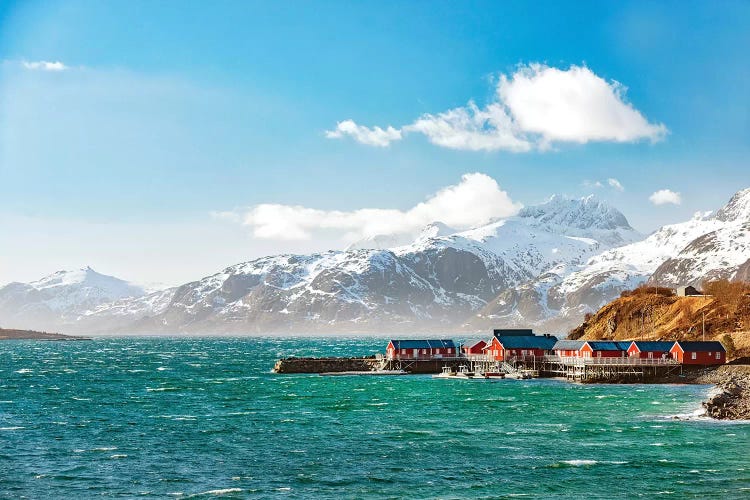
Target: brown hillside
<point>650,314</point>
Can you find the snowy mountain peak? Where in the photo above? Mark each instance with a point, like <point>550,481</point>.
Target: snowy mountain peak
<point>582,213</point>
<point>435,230</point>
<point>738,208</point>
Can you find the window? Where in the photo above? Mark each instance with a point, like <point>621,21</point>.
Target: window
<point>718,355</point>
<point>693,355</point>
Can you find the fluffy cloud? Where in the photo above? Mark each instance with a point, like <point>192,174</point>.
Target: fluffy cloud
<point>533,108</point>
<point>44,65</point>
<point>471,128</point>
<point>375,136</point>
<point>476,200</point>
<point>614,183</point>
<point>664,196</point>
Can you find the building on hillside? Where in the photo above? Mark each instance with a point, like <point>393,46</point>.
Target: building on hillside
<point>688,291</point>
<point>421,349</point>
<point>507,332</point>
<point>504,347</point>
<point>591,348</point>
<point>649,349</point>
<point>473,347</point>
<point>699,353</point>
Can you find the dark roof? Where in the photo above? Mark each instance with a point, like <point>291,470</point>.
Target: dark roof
<point>707,346</point>
<point>505,332</point>
<point>608,345</point>
<point>527,341</point>
<point>653,345</point>
<point>423,344</point>
<point>568,345</point>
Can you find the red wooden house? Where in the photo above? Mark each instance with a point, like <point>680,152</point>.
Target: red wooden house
<point>699,353</point>
<point>591,348</point>
<point>649,349</point>
<point>421,349</point>
<point>473,347</point>
<point>503,347</point>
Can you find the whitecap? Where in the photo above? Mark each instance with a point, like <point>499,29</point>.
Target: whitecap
<point>24,370</point>
<point>118,456</point>
<point>223,491</point>
<point>579,463</point>
<point>11,428</point>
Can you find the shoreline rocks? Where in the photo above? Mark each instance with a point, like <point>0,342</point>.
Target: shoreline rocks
<point>731,399</point>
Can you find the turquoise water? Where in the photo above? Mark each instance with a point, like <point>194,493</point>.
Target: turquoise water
<point>156,417</point>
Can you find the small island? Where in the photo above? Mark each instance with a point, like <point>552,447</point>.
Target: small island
<point>10,334</point>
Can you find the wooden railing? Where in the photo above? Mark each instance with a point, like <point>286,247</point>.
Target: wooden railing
<point>624,361</point>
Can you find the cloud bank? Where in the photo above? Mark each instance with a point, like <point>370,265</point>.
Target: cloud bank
<point>665,196</point>
<point>44,65</point>
<point>476,200</point>
<point>534,108</point>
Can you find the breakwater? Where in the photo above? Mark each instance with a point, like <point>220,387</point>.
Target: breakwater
<point>362,364</point>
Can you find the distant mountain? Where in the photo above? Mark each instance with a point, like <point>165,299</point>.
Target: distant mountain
<point>545,267</point>
<point>435,282</point>
<point>60,298</point>
<point>708,246</point>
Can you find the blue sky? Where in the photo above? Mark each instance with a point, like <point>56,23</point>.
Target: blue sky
<point>163,115</point>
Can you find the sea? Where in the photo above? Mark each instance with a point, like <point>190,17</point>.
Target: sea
<point>205,417</point>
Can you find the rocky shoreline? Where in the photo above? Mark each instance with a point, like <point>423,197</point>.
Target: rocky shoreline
<point>731,399</point>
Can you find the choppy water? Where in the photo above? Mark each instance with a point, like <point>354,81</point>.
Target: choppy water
<point>181,417</point>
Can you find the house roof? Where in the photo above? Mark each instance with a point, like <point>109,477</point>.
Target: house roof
<point>568,345</point>
<point>707,346</point>
<point>527,341</point>
<point>608,345</point>
<point>653,345</point>
<point>423,344</point>
<point>473,343</point>
<point>505,332</point>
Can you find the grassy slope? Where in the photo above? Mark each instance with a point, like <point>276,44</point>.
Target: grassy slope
<point>646,315</point>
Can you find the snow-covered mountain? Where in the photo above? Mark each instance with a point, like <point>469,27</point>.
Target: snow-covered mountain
<point>436,281</point>
<point>545,267</point>
<point>708,246</point>
<point>60,298</point>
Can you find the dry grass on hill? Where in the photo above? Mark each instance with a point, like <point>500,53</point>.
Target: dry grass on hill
<point>648,313</point>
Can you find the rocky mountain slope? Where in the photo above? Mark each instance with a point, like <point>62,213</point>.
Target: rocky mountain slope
<point>60,298</point>
<point>649,313</point>
<point>546,267</point>
<point>709,246</point>
<point>435,282</point>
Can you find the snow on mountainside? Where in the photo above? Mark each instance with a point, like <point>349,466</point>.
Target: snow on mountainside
<point>435,282</point>
<point>545,267</point>
<point>60,297</point>
<point>706,247</point>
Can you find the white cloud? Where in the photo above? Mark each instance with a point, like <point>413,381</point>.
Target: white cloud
<point>533,108</point>
<point>375,136</point>
<point>592,184</point>
<point>44,65</point>
<point>473,129</point>
<point>614,183</point>
<point>664,196</point>
<point>476,200</point>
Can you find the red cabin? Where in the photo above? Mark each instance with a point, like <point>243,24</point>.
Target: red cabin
<point>649,349</point>
<point>473,347</point>
<point>420,349</point>
<point>504,347</point>
<point>591,348</point>
<point>699,353</point>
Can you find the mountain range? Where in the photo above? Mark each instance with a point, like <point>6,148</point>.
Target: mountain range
<point>545,267</point>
